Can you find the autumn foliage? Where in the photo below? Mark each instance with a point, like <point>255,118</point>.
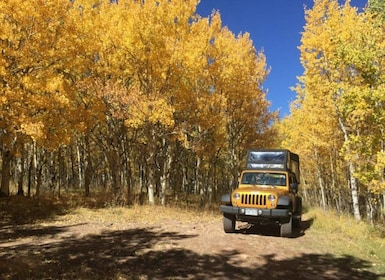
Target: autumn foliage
<point>132,97</point>
<point>337,122</point>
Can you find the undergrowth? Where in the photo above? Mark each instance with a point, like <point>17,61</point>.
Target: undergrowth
<point>343,235</point>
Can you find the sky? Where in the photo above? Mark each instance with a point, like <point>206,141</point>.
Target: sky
<point>275,26</point>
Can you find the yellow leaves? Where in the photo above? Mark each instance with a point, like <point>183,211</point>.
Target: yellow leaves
<point>36,95</point>
<point>336,57</point>
<point>160,112</point>
<point>55,84</point>
<point>34,130</point>
<point>158,66</point>
<point>182,67</point>
<point>380,163</point>
<point>155,112</point>
<point>339,107</point>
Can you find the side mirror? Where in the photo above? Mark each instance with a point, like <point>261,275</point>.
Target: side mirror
<point>294,187</point>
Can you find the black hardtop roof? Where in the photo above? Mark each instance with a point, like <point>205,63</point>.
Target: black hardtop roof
<point>266,170</point>
<point>284,152</point>
<point>270,159</point>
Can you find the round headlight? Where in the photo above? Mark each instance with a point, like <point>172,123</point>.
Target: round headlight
<point>236,196</point>
<point>271,197</point>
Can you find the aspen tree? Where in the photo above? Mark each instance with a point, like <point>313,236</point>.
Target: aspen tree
<point>341,54</point>
<point>37,96</point>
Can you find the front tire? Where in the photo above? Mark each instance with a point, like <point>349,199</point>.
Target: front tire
<point>297,219</point>
<point>297,222</point>
<point>286,229</point>
<point>229,223</point>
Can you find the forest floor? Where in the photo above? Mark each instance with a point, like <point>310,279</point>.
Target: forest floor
<point>144,242</point>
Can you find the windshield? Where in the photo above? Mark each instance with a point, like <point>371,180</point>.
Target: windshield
<point>266,178</point>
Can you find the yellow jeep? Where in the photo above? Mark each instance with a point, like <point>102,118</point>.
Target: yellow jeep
<point>267,192</point>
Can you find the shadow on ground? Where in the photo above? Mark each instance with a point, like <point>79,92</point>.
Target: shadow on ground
<point>150,253</point>
<point>273,230</point>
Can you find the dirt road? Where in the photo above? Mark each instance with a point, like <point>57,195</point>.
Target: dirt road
<point>94,247</point>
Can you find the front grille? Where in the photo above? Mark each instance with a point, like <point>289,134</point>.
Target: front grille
<point>254,199</point>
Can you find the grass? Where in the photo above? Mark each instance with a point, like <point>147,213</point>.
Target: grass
<point>141,214</point>
<point>22,210</point>
<point>342,235</point>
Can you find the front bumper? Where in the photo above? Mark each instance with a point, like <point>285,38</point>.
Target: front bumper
<point>256,212</point>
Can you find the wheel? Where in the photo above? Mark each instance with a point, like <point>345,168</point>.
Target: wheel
<point>298,214</point>
<point>287,228</point>
<point>297,222</point>
<point>229,223</point>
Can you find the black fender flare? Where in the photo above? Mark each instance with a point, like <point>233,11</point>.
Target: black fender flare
<point>284,201</point>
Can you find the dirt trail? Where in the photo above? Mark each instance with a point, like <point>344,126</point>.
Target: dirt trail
<point>165,249</point>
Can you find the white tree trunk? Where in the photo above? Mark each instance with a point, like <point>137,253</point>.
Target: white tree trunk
<point>354,191</point>
<point>151,178</point>
<point>151,197</point>
<point>352,179</point>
